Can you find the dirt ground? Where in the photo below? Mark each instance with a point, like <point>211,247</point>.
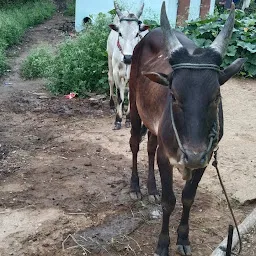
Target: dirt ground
<point>64,173</point>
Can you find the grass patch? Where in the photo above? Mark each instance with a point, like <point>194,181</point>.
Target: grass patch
<point>15,20</point>
<point>38,63</point>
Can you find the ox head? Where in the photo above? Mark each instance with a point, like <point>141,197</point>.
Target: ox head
<point>195,99</point>
<point>129,31</point>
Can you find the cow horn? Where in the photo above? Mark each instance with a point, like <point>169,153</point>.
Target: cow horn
<point>221,41</point>
<point>118,12</point>
<point>140,11</point>
<point>172,42</point>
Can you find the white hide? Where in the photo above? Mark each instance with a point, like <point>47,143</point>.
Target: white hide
<point>119,73</point>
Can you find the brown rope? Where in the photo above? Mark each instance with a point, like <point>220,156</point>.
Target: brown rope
<point>215,164</point>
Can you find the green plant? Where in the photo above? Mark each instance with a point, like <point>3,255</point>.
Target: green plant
<point>70,10</point>
<point>80,64</point>
<point>242,43</point>
<point>38,63</point>
<point>15,19</point>
<point>3,64</point>
<point>152,23</point>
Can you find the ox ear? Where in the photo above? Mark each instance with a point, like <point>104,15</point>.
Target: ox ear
<point>159,78</point>
<point>144,27</point>
<point>114,27</point>
<point>231,70</point>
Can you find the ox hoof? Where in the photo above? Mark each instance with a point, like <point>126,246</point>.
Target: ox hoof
<point>135,196</point>
<point>112,111</point>
<point>154,199</point>
<point>127,123</point>
<point>117,126</point>
<point>184,250</point>
<point>164,252</point>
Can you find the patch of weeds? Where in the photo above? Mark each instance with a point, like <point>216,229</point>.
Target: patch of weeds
<point>16,19</point>
<point>38,63</point>
<point>242,43</point>
<point>3,64</point>
<point>81,64</point>
<point>70,10</point>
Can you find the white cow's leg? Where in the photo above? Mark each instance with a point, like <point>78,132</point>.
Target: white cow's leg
<point>111,84</point>
<point>128,118</point>
<point>119,105</point>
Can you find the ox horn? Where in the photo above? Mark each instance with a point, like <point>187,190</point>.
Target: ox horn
<point>140,11</point>
<point>221,41</point>
<point>172,42</point>
<point>118,12</point>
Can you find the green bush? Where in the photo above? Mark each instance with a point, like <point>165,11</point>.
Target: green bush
<point>71,6</point>
<point>243,41</point>
<point>15,20</point>
<point>81,64</point>
<point>2,62</point>
<point>4,3</point>
<point>38,63</point>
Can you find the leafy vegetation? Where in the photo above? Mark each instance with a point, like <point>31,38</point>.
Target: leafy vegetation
<point>13,2</point>
<point>38,63</point>
<point>243,41</point>
<point>3,64</point>
<point>71,6</point>
<point>14,21</point>
<point>81,65</point>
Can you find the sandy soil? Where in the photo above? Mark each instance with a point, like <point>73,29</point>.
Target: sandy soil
<point>64,173</point>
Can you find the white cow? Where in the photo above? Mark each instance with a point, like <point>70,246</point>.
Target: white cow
<point>126,32</point>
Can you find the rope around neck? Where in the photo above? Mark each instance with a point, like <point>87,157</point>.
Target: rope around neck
<point>196,66</point>
<point>215,164</point>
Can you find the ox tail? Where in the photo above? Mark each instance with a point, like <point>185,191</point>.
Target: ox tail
<point>143,132</point>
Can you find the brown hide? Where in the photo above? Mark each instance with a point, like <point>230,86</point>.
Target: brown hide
<point>149,56</point>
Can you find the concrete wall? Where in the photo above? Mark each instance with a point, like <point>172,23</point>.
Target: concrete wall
<point>178,11</point>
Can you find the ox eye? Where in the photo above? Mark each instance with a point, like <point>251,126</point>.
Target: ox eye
<point>120,34</point>
<point>137,35</point>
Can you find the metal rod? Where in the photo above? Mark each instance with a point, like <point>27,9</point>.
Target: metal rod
<point>230,240</point>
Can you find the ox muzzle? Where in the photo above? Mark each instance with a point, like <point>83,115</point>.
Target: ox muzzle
<point>127,59</point>
<point>195,160</point>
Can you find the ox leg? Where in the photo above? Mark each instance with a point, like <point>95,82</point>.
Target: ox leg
<point>188,196</point>
<point>134,144</point>
<point>119,108</point>
<point>153,195</point>
<point>111,102</point>
<point>111,84</point>
<point>128,117</point>
<point>168,202</point>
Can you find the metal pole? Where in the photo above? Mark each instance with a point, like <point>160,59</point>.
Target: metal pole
<point>230,240</point>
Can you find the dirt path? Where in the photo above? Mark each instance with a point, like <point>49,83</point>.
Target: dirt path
<point>65,172</point>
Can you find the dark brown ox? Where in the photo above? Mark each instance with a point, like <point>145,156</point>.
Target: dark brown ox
<point>184,117</point>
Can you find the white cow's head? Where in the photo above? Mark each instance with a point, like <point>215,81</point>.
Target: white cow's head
<point>129,30</point>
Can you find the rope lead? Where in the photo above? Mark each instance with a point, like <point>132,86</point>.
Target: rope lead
<point>215,164</point>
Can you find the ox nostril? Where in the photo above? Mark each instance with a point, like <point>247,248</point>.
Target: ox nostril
<point>203,159</point>
<point>194,160</point>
